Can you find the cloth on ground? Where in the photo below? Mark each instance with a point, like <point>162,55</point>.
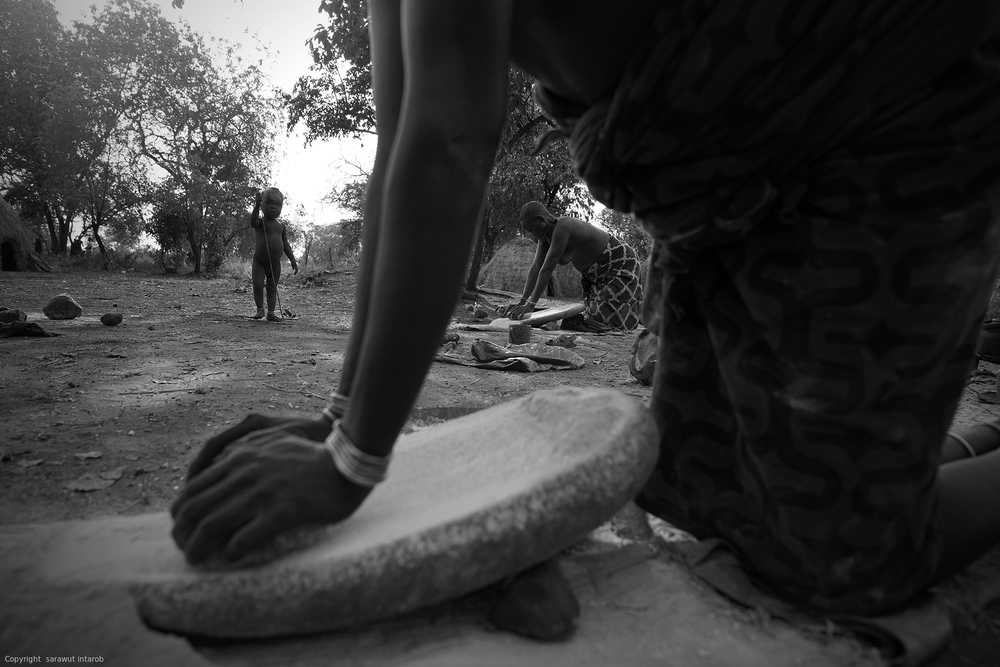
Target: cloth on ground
<point>905,637</point>
<point>581,323</point>
<point>562,340</point>
<point>528,357</point>
<point>612,287</point>
<point>817,178</point>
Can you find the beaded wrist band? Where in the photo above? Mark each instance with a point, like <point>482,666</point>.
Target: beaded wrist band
<point>337,408</point>
<point>361,468</point>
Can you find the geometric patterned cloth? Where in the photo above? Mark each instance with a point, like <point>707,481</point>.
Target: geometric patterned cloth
<point>612,287</point>
<point>821,183</point>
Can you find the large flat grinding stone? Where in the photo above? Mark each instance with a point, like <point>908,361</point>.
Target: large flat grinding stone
<point>466,503</point>
<point>537,318</point>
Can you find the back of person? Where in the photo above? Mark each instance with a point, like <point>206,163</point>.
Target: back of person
<point>815,176</point>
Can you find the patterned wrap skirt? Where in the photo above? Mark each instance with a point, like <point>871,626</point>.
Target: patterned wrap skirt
<point>820,180</point>
<point>612,287</point>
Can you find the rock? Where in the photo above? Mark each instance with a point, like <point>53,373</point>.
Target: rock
<point>538,603</point>
<point>62,307</point>
<point>88,481</point>
<point>111,319</point>
<point>8,315</point>
<point>481,313</point>
<point>630,523</point>
<point>642,359</point>
<point>562,340</point>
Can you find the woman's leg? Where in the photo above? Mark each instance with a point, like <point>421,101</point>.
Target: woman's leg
<point>969,499</point>
<point>806,382</point>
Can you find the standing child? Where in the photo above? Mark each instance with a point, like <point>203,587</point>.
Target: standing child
<point>272,241</point>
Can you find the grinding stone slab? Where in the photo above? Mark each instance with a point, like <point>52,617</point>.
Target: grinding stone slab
<point>467,503</point>
<point>537,318</point>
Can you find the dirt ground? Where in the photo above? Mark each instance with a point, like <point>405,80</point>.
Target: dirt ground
<point>102,421</point>
<point>186,362</point>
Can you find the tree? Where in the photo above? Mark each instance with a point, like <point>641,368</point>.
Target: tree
<point>168,226</point>
<point>117,54</point>
<point>33,63</point>
<point>521,175</point>
<point>350,197</point>
<point>626,229</point>
<point>209,128</point>
<point>335,100</point>
<point>96,117</point>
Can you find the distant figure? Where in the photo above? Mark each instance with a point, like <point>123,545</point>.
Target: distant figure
<point>612,273</point>
<point>272,241</point>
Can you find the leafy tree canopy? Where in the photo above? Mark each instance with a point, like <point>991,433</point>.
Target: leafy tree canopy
<point>127,113</point>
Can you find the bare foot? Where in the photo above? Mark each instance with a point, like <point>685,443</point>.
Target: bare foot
<point>272,317</point>
<point>260,314</point>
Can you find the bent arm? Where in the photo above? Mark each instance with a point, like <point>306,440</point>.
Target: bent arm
<point>255,216</point>
<point>531,282</point>
<point>453,101</point>
<point>557,246</point>
<point>424,203</point>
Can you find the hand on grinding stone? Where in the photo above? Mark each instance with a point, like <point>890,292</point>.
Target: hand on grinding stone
<point>265,484</point>
<point>520,312</point>
<point>311,429</point>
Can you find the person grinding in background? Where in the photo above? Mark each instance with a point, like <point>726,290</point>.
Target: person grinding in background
<point>610,269</point>
<point>271,241</point>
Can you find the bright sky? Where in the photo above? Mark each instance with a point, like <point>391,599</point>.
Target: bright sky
<point>304,175</point>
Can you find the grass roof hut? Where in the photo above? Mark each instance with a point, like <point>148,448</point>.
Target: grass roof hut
<point>508,269</point>
<point>15,243</point>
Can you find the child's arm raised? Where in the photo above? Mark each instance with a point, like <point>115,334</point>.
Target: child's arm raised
<point>255,216</point>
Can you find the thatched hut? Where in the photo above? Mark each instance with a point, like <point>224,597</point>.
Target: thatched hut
<point>508,269</point>
<point>15,243</point>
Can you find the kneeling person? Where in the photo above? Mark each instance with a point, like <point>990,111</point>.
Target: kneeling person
<point>612,283</point>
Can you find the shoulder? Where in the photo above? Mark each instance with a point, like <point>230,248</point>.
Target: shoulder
<point>573,226</point>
